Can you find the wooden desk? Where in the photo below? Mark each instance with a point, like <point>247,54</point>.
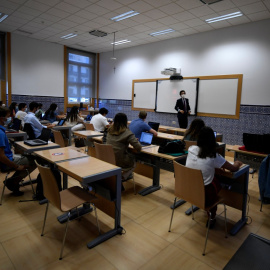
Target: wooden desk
<point>88,170</point>
<point>167,136</point>
<point>20,134</point>
<point>236,193</point>
<point>251,158</point>
<point>87,134</point>
<point>66,130</point>
<point>31,149</point>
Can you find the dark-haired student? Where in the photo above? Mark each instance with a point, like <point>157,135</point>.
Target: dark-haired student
<point>52,114</point>
<point>8,161</point>
<point>193,131</point>
<point>22,112</point>
<point>33,121</point>
<point>99,120</point>
<point>119,136</point>
<point>204,157</point>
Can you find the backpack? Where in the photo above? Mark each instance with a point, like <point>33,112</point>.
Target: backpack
<point>39,187</point>
<point>172,147</point>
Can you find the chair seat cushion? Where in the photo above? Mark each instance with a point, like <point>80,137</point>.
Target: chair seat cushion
<point>73,197</point>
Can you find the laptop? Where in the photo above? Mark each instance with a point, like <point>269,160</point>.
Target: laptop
<point>215,133</point>
<point>61,122</point>
<point>35,142</point>
<point>146,138</point>
<point>154,125</point>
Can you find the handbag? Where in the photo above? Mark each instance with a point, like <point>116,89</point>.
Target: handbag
<point>172,147</point>
<point>79,142</point>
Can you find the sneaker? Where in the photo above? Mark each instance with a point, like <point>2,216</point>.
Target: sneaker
<point>17,193</point>
<point>212,223</point>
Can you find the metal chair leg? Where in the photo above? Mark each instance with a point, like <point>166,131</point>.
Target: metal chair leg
<point>64,239</point>
<point>206,238</point>
<point>192,211</point>
<point>45,217</point>
<point>261,204</point>
<point>172,213</point>
<point>134,185</point>
<point>225,216</point>
<point>4,188</point>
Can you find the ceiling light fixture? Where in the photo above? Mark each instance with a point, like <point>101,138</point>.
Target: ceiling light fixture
<point>113,57</point>
<point>3,17</point>
<point>124,16</point>
<point>225,17</point>
<point>163,32</point>
<point>121,42</point>
<point>69,36</point>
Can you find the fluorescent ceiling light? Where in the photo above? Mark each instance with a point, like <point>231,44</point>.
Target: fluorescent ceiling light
<point>69,36</point>
<point>225,17</point>
<point>121,42</point>
<point>162,32</point>
<point>3,16</point>
<point>125,16</point>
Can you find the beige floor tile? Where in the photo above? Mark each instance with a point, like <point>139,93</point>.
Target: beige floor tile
<point>5,261</point>
<point>133,249</point>
<point>174,258</point>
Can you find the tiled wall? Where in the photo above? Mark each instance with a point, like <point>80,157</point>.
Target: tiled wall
<point>46,101</point>
<point>253,119</point>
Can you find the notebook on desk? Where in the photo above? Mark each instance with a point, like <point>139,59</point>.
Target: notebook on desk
<point>35,142</point>
<point>146,138</point>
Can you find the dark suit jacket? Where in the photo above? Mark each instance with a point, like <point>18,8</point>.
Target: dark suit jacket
<point>179,105</point>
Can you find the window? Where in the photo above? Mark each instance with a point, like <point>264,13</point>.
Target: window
<point>80,76</point>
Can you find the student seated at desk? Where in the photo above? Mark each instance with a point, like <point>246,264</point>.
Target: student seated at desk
<point>99,120</point>
<point>22,112</point>
<point>204,157</point>
<point>31,119</point>
<point>138,126</point>
<point>52,115</point>
<point>119,136</point>
<point>8,161</point>
<point>39,113</point>
<point>193,131</point>
<point>74,119</point>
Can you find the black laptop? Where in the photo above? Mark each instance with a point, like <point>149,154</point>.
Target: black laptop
<point>42,140</point>
<point>146,138</point>
<point>61,122</point>
<point>154,125</point>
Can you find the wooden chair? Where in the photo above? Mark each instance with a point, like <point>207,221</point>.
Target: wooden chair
<point>105,152</point>
<point>189,185</point>
<point>58,137</point>
<point>65,200</point>
<point>89,127</point>
<point>189,143</point>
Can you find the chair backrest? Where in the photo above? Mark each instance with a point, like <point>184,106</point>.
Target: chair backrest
<point>16,124</point>
<point>29,130</point>
<point>45,134</point>
<point>89,126</point>
<point>58,137</point>
<point>189,185</point>
<point>50,188</point>
<point>105,152</point>
<point>189,143</point>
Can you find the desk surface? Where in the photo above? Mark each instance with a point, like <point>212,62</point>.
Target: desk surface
<point>236,149</point>
<point>87,133</point>
<point>30,149</point>
<point>60,154</point>
<point>65,126</point>
<point>229,174</point>
<point>167,136</point>
<point>86,167</point>
<point>17,134</point>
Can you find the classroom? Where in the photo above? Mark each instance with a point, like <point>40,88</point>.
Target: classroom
<point>36,69</point>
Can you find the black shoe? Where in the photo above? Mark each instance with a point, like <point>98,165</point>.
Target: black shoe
<point>212,223</point>
<point>17,193</point>
<point>9,185</point>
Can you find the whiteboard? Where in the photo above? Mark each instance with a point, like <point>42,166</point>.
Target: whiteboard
<point>168,93</point>
<point>218,96</point>
<point>144,95</point>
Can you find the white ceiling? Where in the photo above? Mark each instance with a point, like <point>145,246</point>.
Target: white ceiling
<point>48,20</point>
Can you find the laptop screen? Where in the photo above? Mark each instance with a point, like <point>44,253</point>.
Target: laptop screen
<point>146,138</point>
<point>154,125</point>
<point>215,133</point>
<point>61,122</point>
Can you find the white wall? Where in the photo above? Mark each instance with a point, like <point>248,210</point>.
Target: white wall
<point>243,49</point>
<point>37,67</point>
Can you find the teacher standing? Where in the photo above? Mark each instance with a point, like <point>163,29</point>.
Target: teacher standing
<point>183,110</point>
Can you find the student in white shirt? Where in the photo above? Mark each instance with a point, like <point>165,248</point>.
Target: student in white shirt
<point>99,120</point>
<point>22,112</point>
<point>204,157</point>
<point>75,119</point>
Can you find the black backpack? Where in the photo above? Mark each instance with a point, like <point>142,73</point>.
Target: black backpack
<point>172,147</point>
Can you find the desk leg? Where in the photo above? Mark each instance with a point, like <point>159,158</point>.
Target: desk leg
<point>65,181</point>
<point>177,204</point>
<point>69,137</point>
<point>236,228</point>
<point>156,186</point>
<point>117,227</point>
<point>189,211</point>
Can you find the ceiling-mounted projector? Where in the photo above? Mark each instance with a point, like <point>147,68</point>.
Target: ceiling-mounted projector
<point>173,72</point>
